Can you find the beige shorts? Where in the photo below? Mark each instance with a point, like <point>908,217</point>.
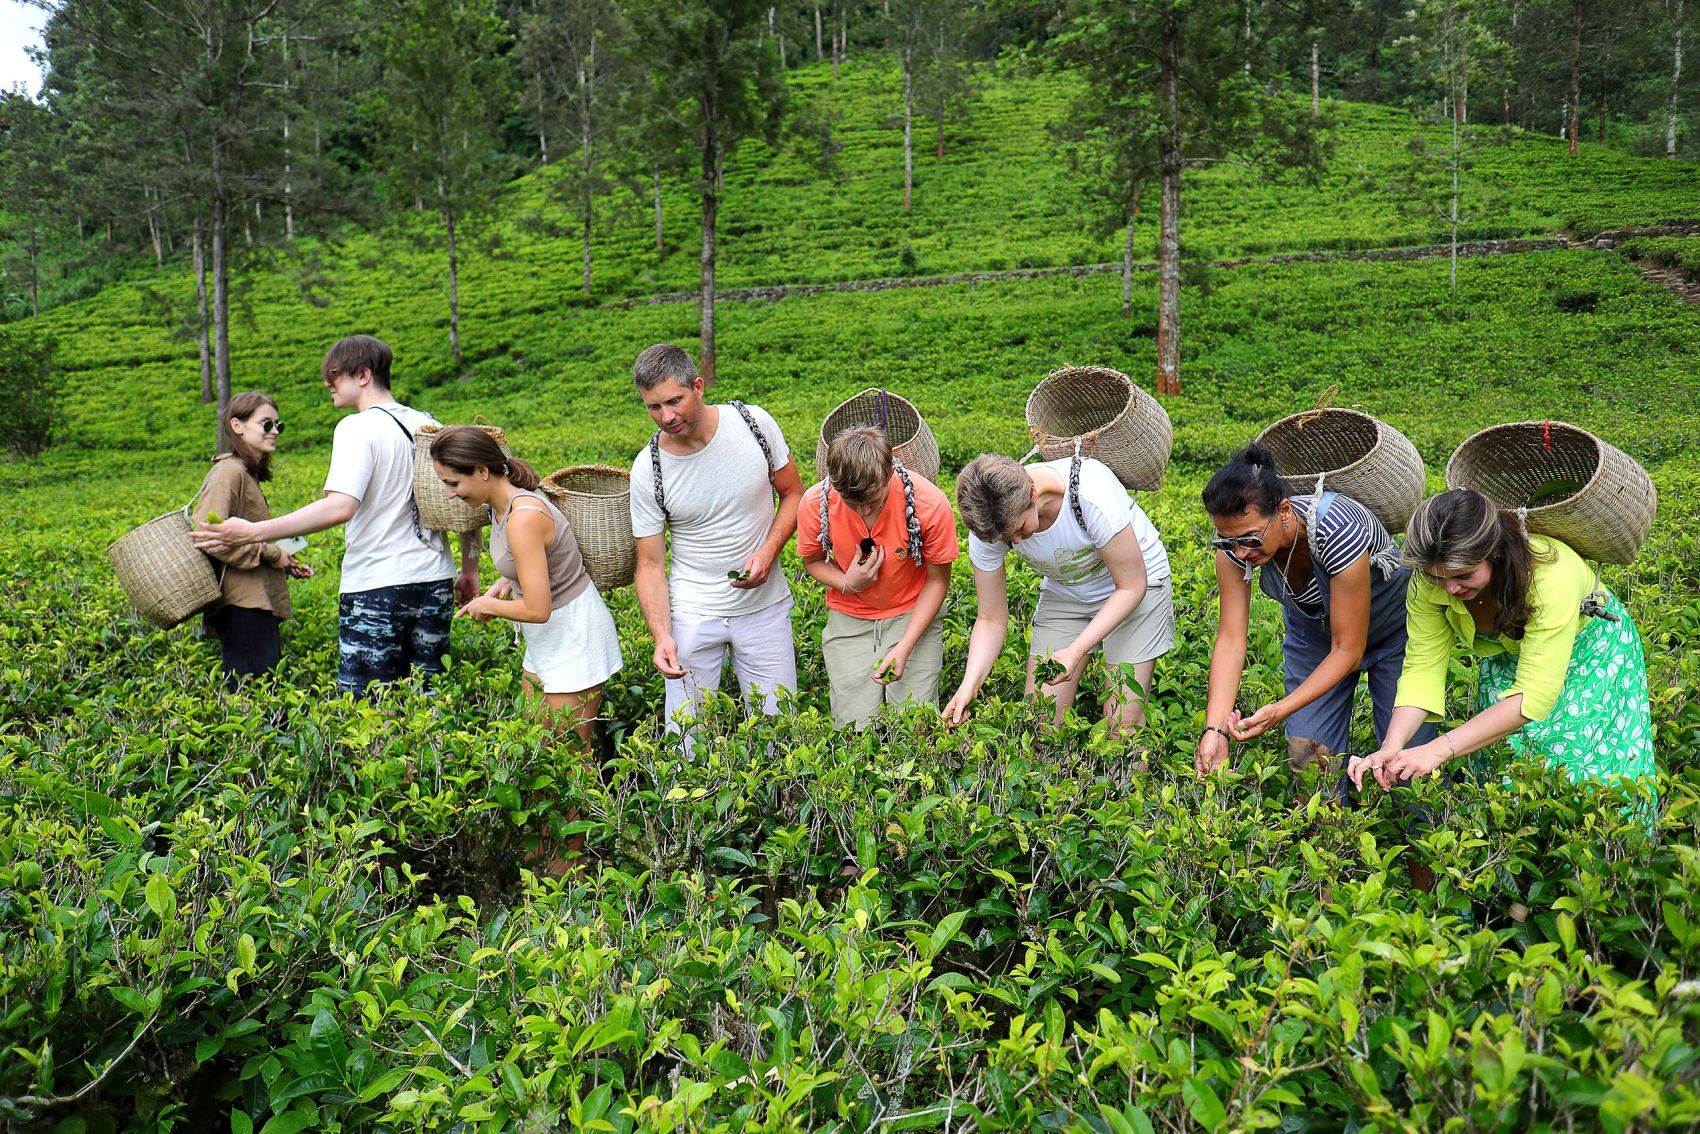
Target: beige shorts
<point>1147,633</point>
<point>853,646</point>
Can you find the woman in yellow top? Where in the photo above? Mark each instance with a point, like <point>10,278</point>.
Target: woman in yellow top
<point>1562,673</point>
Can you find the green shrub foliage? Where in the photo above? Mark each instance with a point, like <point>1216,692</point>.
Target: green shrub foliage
<point>29,392</point>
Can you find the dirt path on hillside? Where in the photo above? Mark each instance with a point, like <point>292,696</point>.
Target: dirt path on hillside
<point>1673,280</point>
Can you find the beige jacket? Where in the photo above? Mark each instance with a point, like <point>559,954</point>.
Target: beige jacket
<point>251,575</point>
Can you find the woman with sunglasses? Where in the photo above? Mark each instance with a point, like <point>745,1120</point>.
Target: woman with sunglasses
<point>254,589</point>
<point>1562,673</point>
<point>1336,573</point>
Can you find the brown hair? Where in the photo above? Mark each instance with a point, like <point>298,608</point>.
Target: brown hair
<point>242,407</point>
<point>464,448</point>
<point>357,353</point>
<point>1458,530</point>
<point>660,362</point>
<point>993,491</point>
<point>858,462</point>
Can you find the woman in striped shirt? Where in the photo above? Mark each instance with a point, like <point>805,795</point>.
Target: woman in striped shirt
<point>1336,573</point>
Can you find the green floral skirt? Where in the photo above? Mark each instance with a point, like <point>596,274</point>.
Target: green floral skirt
<point>1602,726</point>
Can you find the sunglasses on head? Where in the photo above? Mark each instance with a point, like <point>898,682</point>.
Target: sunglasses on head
<point>1242,542</point>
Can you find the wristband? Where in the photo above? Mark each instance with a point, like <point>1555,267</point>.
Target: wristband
<point>1451,750</point>
<point>1223,731</point>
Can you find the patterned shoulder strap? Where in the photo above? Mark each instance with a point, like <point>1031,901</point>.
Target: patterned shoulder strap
<point>825,528</point>
<point>655,476</point>
<point>911,521</point>
<point>1074,489</point>
<point>755,430</point>
<point>436,541</point>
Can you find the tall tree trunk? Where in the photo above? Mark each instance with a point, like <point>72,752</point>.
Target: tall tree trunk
<point>221,301</point>
<point>941,123</point>
<point>1461,94</point>
<point>1169,221</point>
<point>153,228</point>
<point>1127,258</point>
<point>908,115</point>
<point>454,291</point>
<point>35,277</point>
<point>1575,106</point>
<point>207,394</point>
<point>1375,62</point>
<point>655,172</point>
<point>710,217</point>
<point>1457,160</point>
<point>837,35</point>
<point>1315,80</point>
<point>1675,74</point>
<point>820,51</point>
<point>587,218</point>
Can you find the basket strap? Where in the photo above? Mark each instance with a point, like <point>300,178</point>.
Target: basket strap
<point>429,541</point>
<point>911,522</point>
<point>825,528</point>
<point>1594,606</point>
<point>1074,488</point>
<point>761,438</point>
<point>655,471</point>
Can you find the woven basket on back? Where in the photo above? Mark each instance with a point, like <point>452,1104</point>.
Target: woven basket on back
<point>438,511</point>
<point>1115,421</point>
<point>596,500</point>
<point>1578,489</point>
<point>911,439</point>
<point>1355,455</point>
<point>159,568</point>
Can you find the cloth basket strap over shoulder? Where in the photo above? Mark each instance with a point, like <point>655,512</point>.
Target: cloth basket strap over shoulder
<point>429,541</point>
<point>912,522</point>
<point>1074,488</point>
<point>655,457</point>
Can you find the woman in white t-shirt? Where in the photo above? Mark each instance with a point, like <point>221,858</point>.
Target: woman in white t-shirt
<point>1106,582</point>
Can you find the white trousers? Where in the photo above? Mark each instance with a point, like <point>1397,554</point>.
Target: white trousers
<point>763,657</point>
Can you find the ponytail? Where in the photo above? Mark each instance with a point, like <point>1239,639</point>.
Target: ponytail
<point>464,448</point>
<point>1250,480</point>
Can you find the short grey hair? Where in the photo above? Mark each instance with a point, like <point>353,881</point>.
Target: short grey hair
<point>993,492</point>
<point>660,362</point>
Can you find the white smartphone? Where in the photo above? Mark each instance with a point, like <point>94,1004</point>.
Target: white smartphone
<point>294,544</point>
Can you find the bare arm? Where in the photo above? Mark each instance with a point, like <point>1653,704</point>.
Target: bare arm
<point>927,605</point>
<point>991,627</point>
<point>530,531</point>
<point>789,485</point>
<point>651,587</point>
<point>1227,661</point>
<point>326,512</point>
<point>1127,568</point>
<point>1348,610</point>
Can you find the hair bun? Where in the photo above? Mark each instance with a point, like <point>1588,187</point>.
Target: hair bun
<point>1258,456</point>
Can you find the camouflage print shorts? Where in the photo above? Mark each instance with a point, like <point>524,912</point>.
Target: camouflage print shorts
<point>385,633</point>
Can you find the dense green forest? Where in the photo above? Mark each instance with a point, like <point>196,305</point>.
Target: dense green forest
<point>281,911</point>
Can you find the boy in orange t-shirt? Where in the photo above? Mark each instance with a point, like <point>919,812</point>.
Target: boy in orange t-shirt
<point>885,561</point>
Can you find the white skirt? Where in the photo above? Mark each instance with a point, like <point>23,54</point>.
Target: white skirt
<point>576,649</point>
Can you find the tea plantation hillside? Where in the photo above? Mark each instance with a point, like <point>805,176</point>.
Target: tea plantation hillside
<point>279,911</point>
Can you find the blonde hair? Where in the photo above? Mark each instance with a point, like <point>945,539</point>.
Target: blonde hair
<point>993,492</point>
<point>859,463</point>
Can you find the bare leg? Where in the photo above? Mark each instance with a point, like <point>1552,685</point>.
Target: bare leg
<point>563,711</point>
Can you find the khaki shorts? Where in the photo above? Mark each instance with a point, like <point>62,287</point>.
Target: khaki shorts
<point>853,646</point>
<point>1147,633</point>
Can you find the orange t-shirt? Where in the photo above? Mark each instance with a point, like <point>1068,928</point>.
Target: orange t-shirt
<point>900,578</point>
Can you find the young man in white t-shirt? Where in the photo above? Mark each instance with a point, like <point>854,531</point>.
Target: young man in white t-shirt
<point>1106,579</point>
<point>708,478</point>
<point>398,582</point>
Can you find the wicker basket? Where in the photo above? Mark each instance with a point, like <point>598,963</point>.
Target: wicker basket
<point>438,511</point>
<point>596,500</point>
<point>1606,519</point>
<point>1114,420</point>
<point>911,439</point>
<point>1355,455</point>
<point>159,568</point>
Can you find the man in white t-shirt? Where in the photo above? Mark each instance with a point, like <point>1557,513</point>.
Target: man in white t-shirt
<point>1106,579</point>
<point>398,581</point>
<point>708,478</point>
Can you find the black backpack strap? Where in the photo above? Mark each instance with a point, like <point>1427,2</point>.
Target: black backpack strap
<point>655,475</point>
<point>418,530</point>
